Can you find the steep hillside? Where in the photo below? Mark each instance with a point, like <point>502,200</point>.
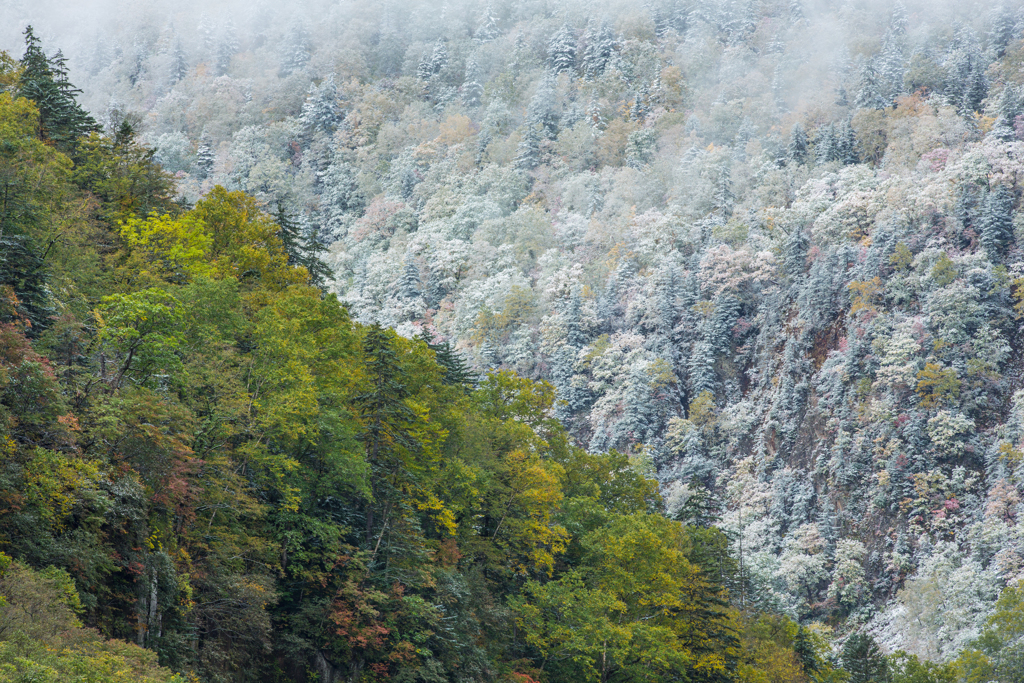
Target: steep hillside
<point>770,249</point>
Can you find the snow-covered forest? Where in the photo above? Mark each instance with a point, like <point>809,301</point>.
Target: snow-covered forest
<point>770,250</point>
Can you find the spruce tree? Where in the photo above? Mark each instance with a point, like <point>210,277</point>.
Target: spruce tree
<point>488,30</point>
<point>997,220</point>
<point>62,120</point>
<point>387,423</point>
<point>205,158</point>
<point>288,234</point>
<point>312,247</point>
<point>863,661</point>
<point>562,50</point>
<point>456,371</point>
<point>824,144</point>
<point>797,151</point>
<point>600,46</point>
<point>409,283</point>
<point>472,90</point>
<point>24,273</point>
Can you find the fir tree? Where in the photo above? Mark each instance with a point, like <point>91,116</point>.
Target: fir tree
<point>702,509</point>
<point>844,150</point>
<point>61,119</point>
<point>997,220</point>
<point>296,51</point>
<point>24,272</point>
<point>824,144</point>
<point>542,115</point>
<point>528,151</point>
<point>472,90</point>
<point>805,652</point>
<point>863,661</point>
<point>289,234</point>
<point>320,112</point>
<point>409,283</point>
<point>312,247</point>
<point>797,151</point>
<point>1003,27</point>
<point>488,30</point>
<point>724,197</point>
<point>456,371</point>
<point>600,46</point>
<point>205,158</point>
<point>179,63</point>
<point>562,50</point>
<point>387,423</point>
<point>869,94</point>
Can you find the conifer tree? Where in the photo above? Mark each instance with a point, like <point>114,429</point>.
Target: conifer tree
<point>456,371</point>
<point>862,660</point>
<point>597,54</point>
<point>205,158</point>
<point>409,284</point>
<point>797,144</point>
<point>472,90</point>
<point>997,220</point>
<point>387,423</point>
<point>488,30</point>
<point>562,50</point>
<point>45,81</point>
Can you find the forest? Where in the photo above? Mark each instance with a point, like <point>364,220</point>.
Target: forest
<point>537,341</point>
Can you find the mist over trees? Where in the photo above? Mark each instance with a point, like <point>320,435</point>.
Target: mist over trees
<point>758,262</point>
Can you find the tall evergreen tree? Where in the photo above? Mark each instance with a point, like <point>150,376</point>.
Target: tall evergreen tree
<point>997,220</point>
<point>62,120</point>
<point>562,50</point>
<point>797,151</point>
<point>863,661</point>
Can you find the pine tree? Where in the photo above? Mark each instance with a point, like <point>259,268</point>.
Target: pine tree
<point>205,158</point>
<point>62,119</point>
<point>472,90</point>
<point>409,284</point>
<point>296,51</point>
<point>863,661</point>
<point>457,372</point>
<point>600,46</point>
<point>869,94</point>
<point>320,112</point>
<point>824,144</point>
<point>1003,28</point>
<point>488,30</point>
<point>289,234</point>
<point>24,272</point>
<point>997,220</point>
<point>562,50</point>
<point>797,151</point>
